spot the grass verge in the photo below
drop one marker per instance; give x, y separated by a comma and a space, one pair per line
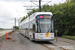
1, 30
69, 37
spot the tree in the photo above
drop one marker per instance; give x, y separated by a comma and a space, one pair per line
16, 27
72, 1
23, 18
64, 14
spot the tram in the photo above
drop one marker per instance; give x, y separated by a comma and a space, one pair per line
38, 27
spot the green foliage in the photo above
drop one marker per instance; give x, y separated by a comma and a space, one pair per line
72, 1
23, 18
65, 16
16, 27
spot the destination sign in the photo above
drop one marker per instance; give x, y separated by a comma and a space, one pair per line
43, 16
46, 16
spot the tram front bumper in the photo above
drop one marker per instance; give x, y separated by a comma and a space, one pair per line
44, 39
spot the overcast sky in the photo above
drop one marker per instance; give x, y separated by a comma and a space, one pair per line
10, 9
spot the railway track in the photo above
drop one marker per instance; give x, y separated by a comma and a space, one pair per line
47, 47
50, 48
53, 46
45, 44
66, 41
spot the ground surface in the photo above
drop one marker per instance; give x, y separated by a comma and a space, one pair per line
19, 42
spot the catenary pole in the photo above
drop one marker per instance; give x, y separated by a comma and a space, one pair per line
39, 5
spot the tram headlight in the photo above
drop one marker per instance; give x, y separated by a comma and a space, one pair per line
52, 34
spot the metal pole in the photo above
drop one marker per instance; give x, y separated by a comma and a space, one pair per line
56, 36
39, 5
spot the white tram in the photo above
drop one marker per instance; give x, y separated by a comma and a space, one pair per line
39, 26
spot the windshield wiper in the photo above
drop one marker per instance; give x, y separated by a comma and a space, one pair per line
48, 30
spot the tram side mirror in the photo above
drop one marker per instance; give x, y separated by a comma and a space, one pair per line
55, 22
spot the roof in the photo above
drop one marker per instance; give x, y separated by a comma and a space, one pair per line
32, 17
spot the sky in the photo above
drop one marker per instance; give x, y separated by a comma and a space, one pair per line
11, 9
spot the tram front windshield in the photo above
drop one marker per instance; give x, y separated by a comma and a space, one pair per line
44, 25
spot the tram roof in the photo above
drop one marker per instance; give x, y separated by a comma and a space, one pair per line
32, 17
37, 13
